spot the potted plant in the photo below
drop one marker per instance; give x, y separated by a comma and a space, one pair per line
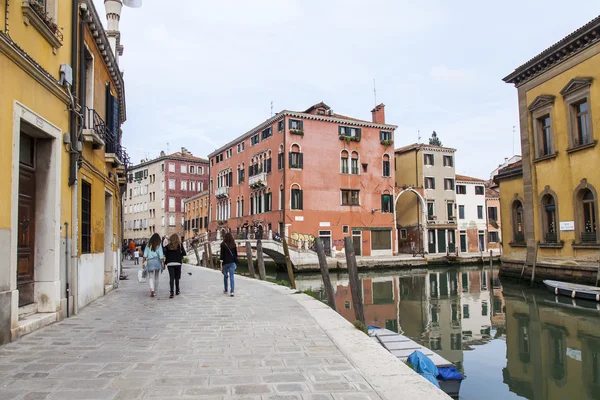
387, 142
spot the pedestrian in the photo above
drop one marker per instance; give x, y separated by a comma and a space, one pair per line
131, 249
260, 231
136, 257
154, 262
143, 246
165, 242
174, 253
229, 259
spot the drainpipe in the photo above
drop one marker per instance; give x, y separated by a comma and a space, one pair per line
395, 223
6, 17
67, 264
282, 234
418, 202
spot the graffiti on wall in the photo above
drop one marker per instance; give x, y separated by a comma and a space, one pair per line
302, 239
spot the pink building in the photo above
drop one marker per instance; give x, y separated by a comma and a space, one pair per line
309, 174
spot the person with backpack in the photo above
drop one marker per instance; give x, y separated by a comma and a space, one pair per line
174, 253
229, 259
153, 262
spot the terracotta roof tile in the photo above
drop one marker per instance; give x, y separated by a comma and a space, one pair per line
509, 167
491, 193
465, 178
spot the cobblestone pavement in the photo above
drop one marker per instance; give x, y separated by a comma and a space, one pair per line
201, 345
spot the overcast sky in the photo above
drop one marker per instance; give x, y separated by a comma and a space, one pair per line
200, 73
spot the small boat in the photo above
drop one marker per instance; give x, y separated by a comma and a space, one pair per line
449, 378
573, 290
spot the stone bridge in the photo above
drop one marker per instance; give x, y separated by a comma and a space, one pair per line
301, 258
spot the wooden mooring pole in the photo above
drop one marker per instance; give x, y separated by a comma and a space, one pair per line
288, 262
537, 245
205, 257
261, 261
250, 261
355, 287
211, 261
193, 244
325, 273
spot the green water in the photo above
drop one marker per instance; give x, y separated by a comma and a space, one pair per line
511, 341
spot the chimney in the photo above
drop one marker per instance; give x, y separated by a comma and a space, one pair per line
378, 114
113, 16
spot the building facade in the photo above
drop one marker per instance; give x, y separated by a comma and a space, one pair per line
472, 214
494, 221
196, 215
429, 172
156, 192
559, 105
309, 174
60, 216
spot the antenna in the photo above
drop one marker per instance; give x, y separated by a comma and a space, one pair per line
513, 139
418, 136
271, 108
168, 151
374, 93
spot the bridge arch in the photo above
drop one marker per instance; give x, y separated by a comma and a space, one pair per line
423, 214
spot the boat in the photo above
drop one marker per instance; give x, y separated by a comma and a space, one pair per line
402, 347
573, 290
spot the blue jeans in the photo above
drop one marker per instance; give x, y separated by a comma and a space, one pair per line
228, 271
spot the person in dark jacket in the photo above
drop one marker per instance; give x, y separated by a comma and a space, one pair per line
229, 259
174, 253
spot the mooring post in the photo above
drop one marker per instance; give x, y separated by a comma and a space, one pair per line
261, 261
355, 286
288, 262
250, 261
537, 245
325, 273
205, 257
193, 244
211, 260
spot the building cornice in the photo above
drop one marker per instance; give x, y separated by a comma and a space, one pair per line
172, 158
32, 68
196, 196
559, 52
294, 114
511, 173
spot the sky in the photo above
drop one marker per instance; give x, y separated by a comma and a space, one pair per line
199, 74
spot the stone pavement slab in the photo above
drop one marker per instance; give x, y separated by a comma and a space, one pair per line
260, 344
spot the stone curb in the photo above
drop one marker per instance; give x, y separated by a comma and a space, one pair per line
389, 377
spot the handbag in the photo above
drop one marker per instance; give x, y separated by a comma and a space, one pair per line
142, 276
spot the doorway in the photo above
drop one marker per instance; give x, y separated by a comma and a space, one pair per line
357, 241
109, 258
441, 235
463, 242
26, 220
431, 244
325, 236
481, 241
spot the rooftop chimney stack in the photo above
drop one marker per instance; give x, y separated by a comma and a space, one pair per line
113, 17
378, 114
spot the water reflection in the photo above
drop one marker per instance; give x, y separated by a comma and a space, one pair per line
511, 341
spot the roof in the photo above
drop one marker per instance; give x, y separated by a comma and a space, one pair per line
196, 196
421, 146
560, 51
512, 170
179, 156
492, 194
464, 178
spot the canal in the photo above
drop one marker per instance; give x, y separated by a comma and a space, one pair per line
511, 341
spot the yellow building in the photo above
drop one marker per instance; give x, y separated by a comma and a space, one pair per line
196, 216
40, 151
550, 203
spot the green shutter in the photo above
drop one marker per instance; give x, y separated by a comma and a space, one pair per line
300, 207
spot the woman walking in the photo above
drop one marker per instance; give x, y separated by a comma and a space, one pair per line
154, 262
229, 259
174, 253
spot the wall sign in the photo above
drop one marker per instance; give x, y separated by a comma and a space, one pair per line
567, 225
324, 223
299, 218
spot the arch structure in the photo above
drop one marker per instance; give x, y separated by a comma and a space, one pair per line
423, 216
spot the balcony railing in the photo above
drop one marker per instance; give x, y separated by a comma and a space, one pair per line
257, 181
551, 237
94, 128
222, 192
588, 237
114, 152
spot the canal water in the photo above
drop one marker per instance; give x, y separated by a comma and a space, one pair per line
511, 341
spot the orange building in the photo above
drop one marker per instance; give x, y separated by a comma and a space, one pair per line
196, 215
308, 174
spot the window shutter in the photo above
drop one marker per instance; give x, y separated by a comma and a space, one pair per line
382, 203
250, 170
268, 166
433, 183
432, 159
290, 159
301, 124
358, 132
230, 176
279, 160
301, 160
300, 207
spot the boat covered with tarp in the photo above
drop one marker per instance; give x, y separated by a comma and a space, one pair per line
573, 290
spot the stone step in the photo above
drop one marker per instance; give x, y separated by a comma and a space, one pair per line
27, 310
32, 323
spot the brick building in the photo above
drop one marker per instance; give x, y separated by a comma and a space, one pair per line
196, 215
308, 174
156, 191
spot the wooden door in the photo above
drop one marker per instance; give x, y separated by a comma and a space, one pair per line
441, 236
357, 240
26, 228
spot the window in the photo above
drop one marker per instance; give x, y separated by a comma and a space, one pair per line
545, 128
549, 219
182, 204
241, 177
192, 186
386, 203
493, 213
350, 132
281, 199
183, 169
254, 140
450, 209
381, 240
171, 203
429, 182
461, 189
350, 197
448, 162
171, 184
430, 209
461, 212
344, 162
448, 184
428, 159
364, 167
493, 237
268, 202
517, 222
345, 229
577, 95
192, 169
403, 234
240, 147
479, 190
385, 135
479, 212
296, 125
171, 167
386, 166
171, 220
183, 185
296, 160
586, 216
354, 163
466, 314
280, 126
266, 133
296, 197
583, 134
201, 169
280, 161
86, 217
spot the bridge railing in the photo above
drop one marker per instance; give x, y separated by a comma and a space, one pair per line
298, 245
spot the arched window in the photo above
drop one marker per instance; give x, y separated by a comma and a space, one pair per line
354, 163
296, 197
589, 215
386, 166
344, 162
517, 222
549, 220
586, 213
296, 157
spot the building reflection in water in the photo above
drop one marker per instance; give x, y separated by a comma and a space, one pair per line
552, 343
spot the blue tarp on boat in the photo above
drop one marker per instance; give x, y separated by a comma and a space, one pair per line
449, 374
424, 366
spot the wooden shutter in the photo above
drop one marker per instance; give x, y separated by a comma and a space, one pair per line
300, 205
290, 159
301, 160
268, 166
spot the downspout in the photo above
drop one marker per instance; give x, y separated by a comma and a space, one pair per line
6, 4
283, 203
67, 264
418, 202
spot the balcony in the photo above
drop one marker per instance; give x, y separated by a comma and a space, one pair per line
115, 154
258, 181
222, 192
94, 128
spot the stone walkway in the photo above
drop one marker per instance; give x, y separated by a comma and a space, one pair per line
200, 345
